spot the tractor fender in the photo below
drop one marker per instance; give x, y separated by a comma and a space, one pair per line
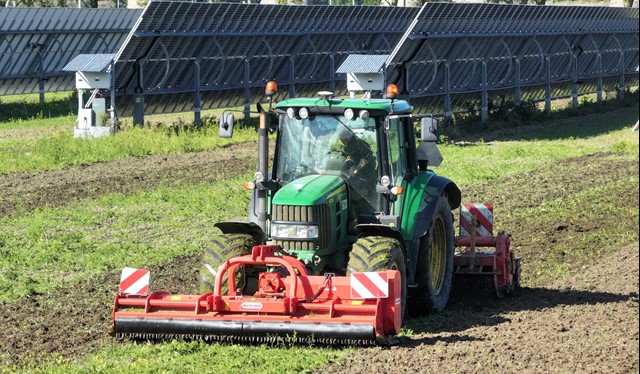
243, 228
375, 229
435, 187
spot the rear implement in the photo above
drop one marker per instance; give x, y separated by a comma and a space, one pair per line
497, 261
289, 305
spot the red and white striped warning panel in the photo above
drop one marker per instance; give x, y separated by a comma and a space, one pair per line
484, 219
369, 285
134, 281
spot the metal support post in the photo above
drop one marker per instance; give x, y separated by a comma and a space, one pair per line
599, 89
518, 94
621, 88
447, 92
197, 105
484, 105
138, 98
292, 78
40, 74
112, 98
574, 94
247, 93
547, 89
332, 73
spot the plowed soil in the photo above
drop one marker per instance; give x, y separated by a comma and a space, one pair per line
586, 323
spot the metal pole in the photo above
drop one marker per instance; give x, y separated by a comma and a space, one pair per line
247, 93
621, 88
292, 78
547, 89
485, 95
112, 99
599, 89
196, 100
447, 92
574, 95
41, 75
332, 73
518, 94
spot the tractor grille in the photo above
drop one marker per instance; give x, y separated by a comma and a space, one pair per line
318, 214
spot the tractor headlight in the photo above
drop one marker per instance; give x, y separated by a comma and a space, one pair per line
289, 231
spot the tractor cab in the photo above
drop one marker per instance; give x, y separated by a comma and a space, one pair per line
340, 167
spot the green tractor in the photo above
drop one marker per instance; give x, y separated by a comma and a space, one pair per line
348, 191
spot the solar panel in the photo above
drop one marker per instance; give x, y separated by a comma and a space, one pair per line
236, 48
453, 50
36, 43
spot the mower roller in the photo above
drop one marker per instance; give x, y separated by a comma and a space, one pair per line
289, 305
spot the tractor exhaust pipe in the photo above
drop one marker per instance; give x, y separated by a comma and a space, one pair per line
263, 159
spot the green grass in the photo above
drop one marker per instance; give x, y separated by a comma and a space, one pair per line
24, 109
61, 150
49, 247
594, 240
484, 161
193, 357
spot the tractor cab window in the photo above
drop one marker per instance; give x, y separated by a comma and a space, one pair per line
331, 145
397, 149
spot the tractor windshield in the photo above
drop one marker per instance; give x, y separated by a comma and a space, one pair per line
330, 144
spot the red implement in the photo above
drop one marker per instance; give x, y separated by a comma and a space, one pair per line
498, 261
288, 304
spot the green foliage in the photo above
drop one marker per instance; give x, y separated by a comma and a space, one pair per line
61, 150
192, 357
571, 208
480, 161
50, 246
22, 107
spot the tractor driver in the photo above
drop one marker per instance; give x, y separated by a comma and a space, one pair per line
359, 172
359, 159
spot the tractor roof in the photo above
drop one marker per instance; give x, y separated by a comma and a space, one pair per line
335, 105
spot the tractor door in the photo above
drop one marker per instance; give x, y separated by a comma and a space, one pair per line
401, 167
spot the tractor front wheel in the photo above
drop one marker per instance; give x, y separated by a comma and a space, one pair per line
222, 248
379, 253
434, 271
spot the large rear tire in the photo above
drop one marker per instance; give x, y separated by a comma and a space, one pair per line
434, 272
222, 248
379, 253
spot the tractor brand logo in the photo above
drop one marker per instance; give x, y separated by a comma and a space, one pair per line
344, 204
251, 306
398, 301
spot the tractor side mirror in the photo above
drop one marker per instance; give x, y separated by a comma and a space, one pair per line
226, 125
272, 122
429, 129
428, 153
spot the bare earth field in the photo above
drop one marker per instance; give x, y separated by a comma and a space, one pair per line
587, 322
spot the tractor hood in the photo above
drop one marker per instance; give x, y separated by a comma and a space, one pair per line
309, 190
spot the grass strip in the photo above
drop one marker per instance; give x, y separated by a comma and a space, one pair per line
192, 357
49, 247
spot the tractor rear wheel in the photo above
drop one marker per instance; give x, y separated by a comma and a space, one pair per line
434, 271
222, 248
379, 253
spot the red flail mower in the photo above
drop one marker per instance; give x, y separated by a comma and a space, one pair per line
360, 309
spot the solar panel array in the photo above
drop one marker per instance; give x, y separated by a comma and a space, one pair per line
235, 49
451, 57
36, 43
454, 53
